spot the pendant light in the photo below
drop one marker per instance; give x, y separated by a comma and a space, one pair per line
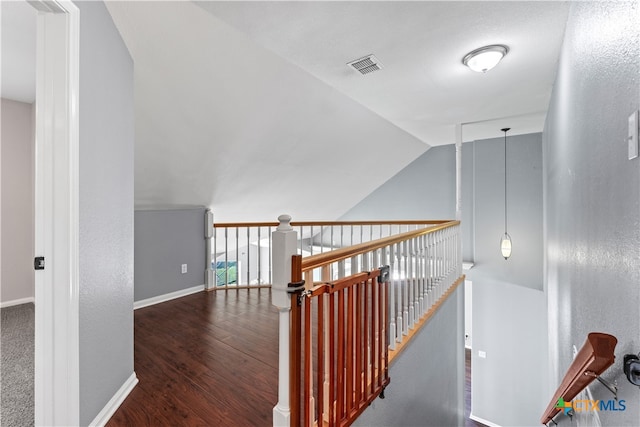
505, 241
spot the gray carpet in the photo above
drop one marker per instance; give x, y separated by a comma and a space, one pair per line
16, 366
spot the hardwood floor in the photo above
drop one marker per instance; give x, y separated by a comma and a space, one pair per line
205, 359
467, 392
208, 359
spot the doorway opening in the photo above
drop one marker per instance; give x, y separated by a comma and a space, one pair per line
17, 297
54, 177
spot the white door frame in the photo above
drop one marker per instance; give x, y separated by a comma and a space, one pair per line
57, 364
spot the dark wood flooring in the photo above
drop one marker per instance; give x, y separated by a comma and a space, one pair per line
208, 359
467, 391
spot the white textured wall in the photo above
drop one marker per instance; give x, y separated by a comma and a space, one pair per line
593, 194
18, 148
106, 210
231, 125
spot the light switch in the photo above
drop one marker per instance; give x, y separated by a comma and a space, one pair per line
633, 135
482, 354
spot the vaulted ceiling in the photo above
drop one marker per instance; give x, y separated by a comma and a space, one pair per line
423, 88
250, 108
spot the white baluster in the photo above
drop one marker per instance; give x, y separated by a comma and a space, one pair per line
355, 265
259, 257
441, 256
248, 256
416, 280
432, 268
410, 280
392, 299
421, 274
405, 290
341, 269
399, 323
226, 257
238, 273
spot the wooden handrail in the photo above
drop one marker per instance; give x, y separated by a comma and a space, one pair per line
326, 258
328, 223
595, 356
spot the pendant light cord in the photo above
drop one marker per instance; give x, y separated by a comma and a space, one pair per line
505, 130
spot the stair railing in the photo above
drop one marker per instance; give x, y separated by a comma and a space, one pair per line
241, 251
348, 308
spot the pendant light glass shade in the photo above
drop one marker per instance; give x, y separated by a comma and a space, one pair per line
505, 246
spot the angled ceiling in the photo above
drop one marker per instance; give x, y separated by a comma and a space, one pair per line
423, 88
249, 107
223, 122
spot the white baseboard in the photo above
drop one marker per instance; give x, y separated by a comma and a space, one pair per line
167, 297
483, 421
110, 408
17, 302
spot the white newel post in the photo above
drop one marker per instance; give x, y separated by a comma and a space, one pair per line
284, 240
209, 256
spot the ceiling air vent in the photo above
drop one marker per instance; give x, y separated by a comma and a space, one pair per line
366, 65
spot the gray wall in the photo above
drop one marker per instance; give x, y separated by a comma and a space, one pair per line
524, 208
164, 240
509, 313
106, 210
509, 386
468, 202
427, 378
425, 189
592, 195
18, 204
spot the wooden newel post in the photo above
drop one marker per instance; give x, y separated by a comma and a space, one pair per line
295, 340
284, 240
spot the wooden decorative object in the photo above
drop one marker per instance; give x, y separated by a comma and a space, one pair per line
595, 356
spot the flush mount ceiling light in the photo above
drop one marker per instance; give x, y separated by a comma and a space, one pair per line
485, 58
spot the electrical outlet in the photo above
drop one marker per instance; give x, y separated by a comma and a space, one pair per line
633, 135
184, 268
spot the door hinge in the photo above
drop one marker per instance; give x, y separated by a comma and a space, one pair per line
38, 263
